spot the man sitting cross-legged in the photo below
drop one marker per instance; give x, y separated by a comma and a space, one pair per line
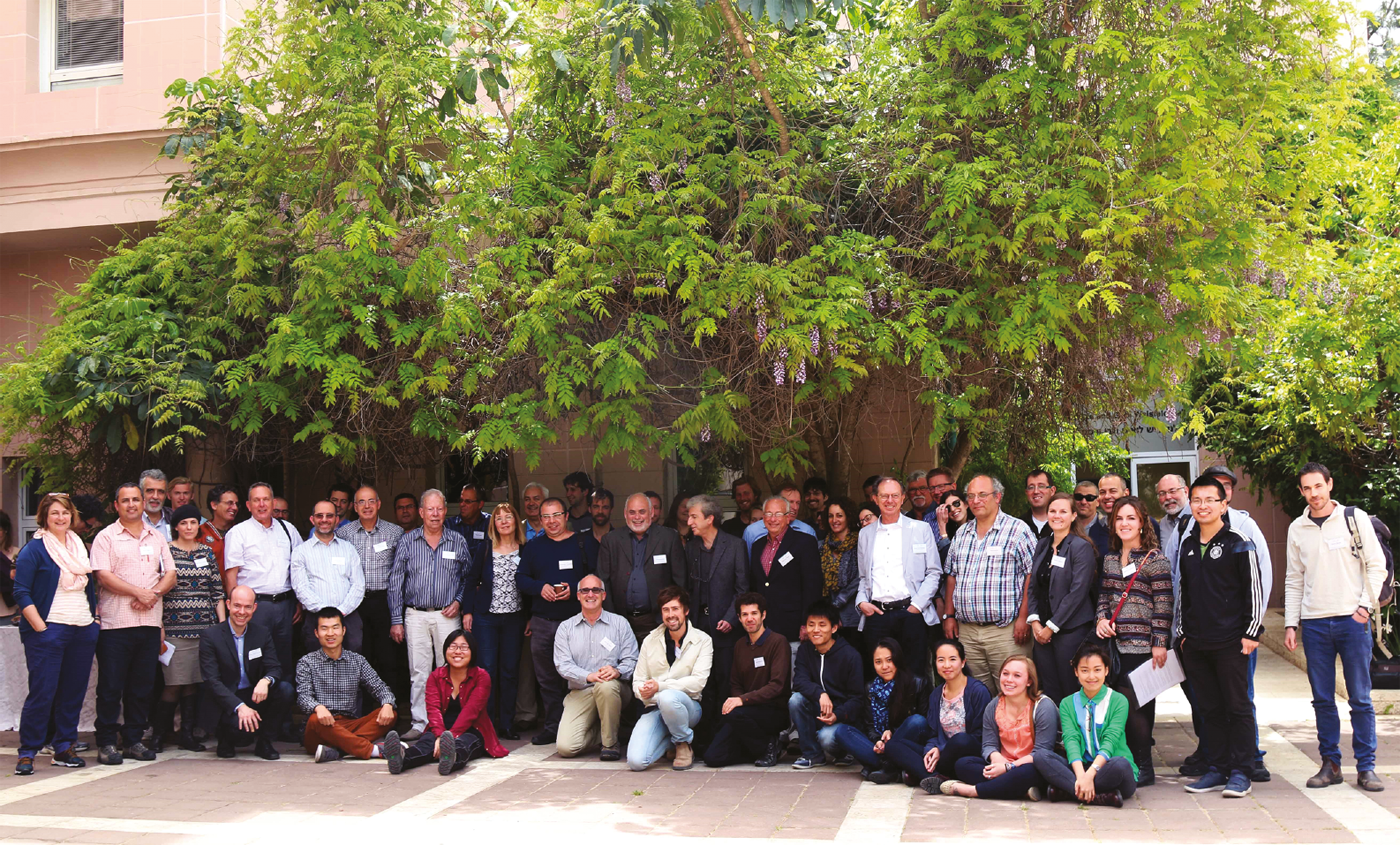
755, 710
328, 687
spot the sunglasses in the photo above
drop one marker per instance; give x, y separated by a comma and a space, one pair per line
1085, 497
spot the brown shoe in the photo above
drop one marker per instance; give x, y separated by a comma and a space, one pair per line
1110, 798
1328, 775
1370, 781
685, 758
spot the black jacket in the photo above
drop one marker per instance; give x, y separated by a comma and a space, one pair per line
717, 587
1073, 587
615, 565
218, 664
836, 673
790, 587
1222, 596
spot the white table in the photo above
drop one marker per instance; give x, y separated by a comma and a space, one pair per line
14, 683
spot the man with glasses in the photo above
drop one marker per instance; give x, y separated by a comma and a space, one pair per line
1222, 618
340, 495
280, 508
550, 568
375, 541
759, 527
899, 573
470, 522
921, 501
425, 597
406, 511
940, 481
223, 511
1039, 489
988, 583
637, 563
326, 572
785, 568
595, 652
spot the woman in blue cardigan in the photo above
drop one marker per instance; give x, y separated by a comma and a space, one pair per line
951, 735
57, 597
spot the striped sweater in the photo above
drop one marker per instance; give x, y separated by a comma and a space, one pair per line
1146, 619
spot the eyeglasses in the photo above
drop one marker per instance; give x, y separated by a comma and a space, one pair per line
767, 514
459, 647
977, 497
1205, 501
359, 502
588, 591
559, 515
1036, 488
1172, 490
890, 497
1085, 497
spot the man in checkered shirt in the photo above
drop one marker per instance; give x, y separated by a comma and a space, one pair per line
329, 681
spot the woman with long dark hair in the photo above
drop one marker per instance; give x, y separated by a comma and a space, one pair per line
954, 722
840, 566
892, 710
949, 516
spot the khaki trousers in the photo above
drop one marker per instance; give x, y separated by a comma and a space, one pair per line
592, 716
987, 646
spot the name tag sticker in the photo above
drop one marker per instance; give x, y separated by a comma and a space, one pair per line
202, 561
658, 559
1129, 570
448, 554
478, 535
147, 550
337, 561
994, 550
920, 548
566, 564
1058, 561
608, 644
785, 559
1335, 543
255, 654
381, 547
758, 663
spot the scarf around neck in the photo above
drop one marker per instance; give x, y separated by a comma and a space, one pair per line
71, 557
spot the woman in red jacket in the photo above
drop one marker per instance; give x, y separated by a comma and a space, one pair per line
456, 695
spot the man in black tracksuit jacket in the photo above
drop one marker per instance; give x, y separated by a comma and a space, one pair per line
1222, 618
826, 667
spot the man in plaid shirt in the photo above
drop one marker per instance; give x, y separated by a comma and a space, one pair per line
328, 688
988, 577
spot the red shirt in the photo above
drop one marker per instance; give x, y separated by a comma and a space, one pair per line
210, 536
473, 694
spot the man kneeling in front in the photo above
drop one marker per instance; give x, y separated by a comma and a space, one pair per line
329, 681
595, 652
243, 680
671, 674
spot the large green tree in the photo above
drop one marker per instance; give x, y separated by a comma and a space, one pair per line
413, 226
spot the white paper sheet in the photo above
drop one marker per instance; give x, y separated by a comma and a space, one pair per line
166, 654
1149, 681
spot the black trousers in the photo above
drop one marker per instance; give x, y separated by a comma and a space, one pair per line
388, 658
276, 616
744, 734
910, 756
127, 665
420, 753
908, 629
717, 687
273, 710
1053, 661
1142, 718
1220, 677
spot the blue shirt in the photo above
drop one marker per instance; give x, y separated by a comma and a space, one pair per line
757, 529
426, 577
238, 647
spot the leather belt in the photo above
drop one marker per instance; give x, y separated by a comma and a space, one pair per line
892, 605
425, 609
636, 613
276, 597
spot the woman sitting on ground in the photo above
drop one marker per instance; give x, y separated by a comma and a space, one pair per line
893, 709
952, 735
1018, 727
456, 695
1093, 721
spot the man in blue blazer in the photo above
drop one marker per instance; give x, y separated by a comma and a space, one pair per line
899, 574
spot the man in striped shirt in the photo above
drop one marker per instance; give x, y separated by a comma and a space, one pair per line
425, 597
326, 572
375, 541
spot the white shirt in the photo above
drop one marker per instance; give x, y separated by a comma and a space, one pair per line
263, 555
887, 564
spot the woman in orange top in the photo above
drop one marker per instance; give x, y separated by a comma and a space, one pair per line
1016, 726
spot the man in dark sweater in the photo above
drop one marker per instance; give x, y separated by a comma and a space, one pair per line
752, 716
1222, 618
550, 568
827, 686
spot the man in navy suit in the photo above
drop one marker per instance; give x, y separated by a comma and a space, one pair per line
243, 678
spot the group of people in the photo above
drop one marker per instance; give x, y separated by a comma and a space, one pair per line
951, 646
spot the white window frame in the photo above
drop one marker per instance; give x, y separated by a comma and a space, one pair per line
49, 75
28, 522
1191, 456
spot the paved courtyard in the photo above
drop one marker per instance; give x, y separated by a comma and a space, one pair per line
534, 796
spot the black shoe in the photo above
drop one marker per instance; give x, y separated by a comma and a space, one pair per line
447, 753
1329, 775
1146, 777
137, 751
68, 760
610, 753
1260, 774
393, 752
545, 737
1194, 768
1057, 795
771, 756
526, 725
226, 749
265, 750
509, 733
108, 755
933, 784
1370, 781
884, 776
25, 766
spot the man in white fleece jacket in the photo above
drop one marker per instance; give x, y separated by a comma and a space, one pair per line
672, 669
1335, 572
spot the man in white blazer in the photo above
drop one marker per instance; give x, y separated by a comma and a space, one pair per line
899, 573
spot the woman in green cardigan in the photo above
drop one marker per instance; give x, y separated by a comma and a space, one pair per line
1100, 769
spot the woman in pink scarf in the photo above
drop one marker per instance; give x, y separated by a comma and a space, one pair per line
57, 598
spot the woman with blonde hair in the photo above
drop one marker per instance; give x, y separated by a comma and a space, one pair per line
494, 611
57, 597
1017, 725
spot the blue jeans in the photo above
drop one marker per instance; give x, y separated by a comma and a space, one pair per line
500, 637
817, 741
1323, 640
852, 740
60, 663
669, 722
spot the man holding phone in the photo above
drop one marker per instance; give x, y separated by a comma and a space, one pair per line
550, 567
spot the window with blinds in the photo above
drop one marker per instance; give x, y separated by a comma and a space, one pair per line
87, 33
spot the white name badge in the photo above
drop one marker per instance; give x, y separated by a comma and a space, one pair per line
448, 554
608, 644
566, 564
1058, 561
1335, 543
658, 559
202, 561
478, 535
381, 547
1129, 570
337, 561
785, 559
920, 548
994, 550
758, 663
255, 654
147, 550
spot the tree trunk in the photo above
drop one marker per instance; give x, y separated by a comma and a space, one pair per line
962, 451
736, 32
